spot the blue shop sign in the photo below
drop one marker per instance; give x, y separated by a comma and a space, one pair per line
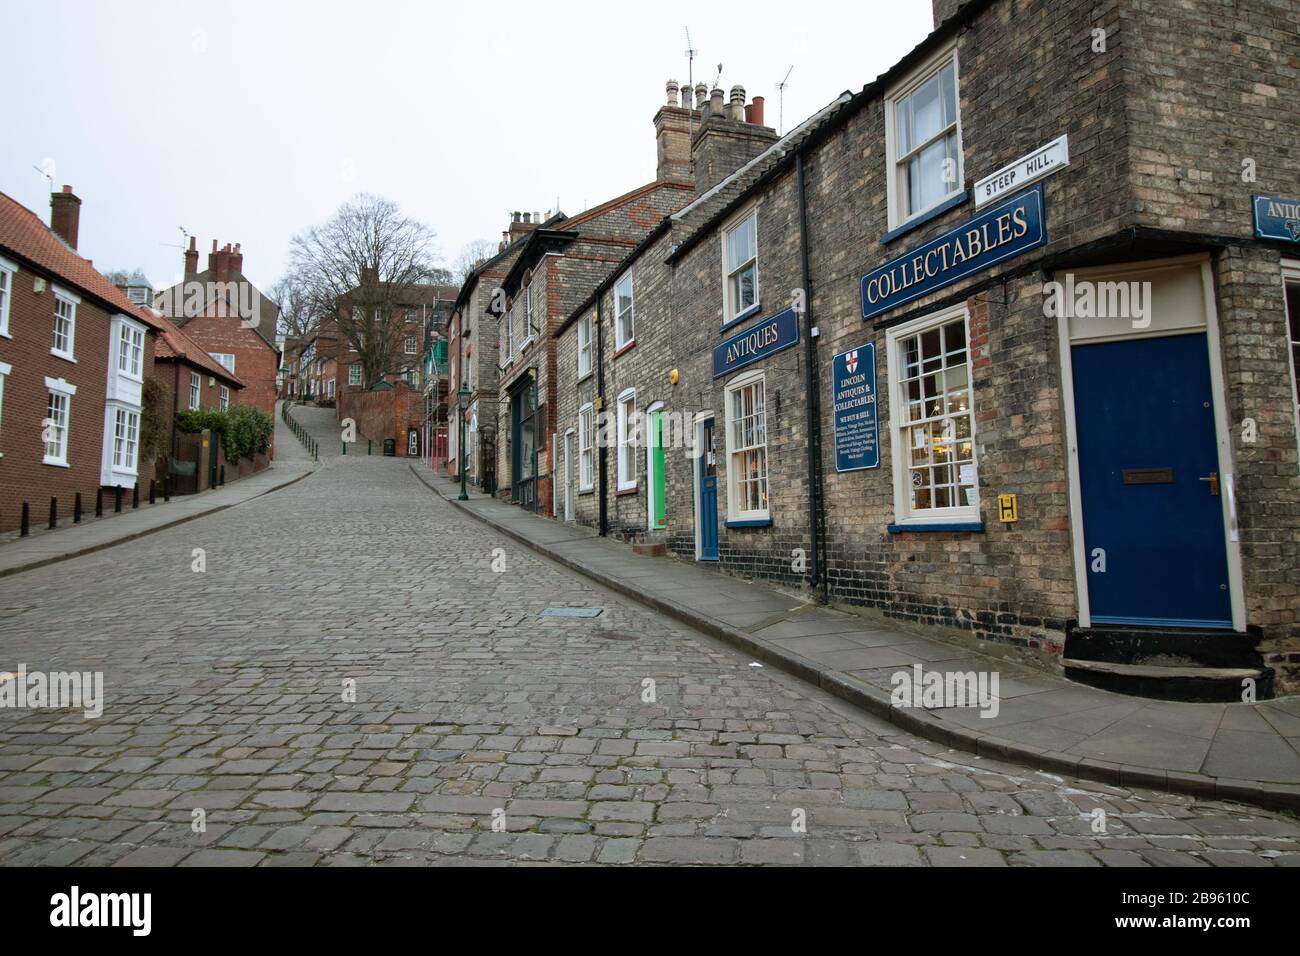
1008, 229
1277, 217
757, 342
857, 435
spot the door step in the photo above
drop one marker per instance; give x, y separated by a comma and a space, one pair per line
1167, 664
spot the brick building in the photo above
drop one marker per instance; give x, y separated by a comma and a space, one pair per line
223, 311
74, 355
557, 266
998, 343
392, 406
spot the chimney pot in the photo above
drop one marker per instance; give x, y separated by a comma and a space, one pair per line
715, 101
528, 217
688, 96
756, 111
192, 257
737, 111
701, 96
65, 215
672, 92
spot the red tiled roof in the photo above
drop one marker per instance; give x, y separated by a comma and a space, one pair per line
24, 234
174, 345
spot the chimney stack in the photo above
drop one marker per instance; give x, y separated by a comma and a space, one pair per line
236, 260
192, 257
65, 215
673, 123
729, 135
520, 224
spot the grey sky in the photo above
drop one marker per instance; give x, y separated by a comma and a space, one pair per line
246, 122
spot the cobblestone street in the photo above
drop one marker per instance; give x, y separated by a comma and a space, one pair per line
225, 692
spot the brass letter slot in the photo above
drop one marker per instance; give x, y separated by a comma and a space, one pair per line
1148, 476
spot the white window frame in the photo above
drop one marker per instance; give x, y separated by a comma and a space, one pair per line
126, 439
1291, 275
221, 358
409, 344
61, 388
585, 326
225, 397
354, 374
586, 447
64, 297
8, 274
896, 170
735, 511
5, 370
898, 421
130, 349
627, 443
730, 314
196, 390
510, 333
622, 340
530, 313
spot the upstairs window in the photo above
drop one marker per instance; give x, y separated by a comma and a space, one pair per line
226, 359
194, 389
924, 142
130, 350
65, 325
410, 345
740, 262
624, 319
354, 374
530, 315
584, 347
7, 271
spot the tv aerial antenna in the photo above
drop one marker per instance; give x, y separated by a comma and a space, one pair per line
185, 240
780, 87
46, 169
691, 53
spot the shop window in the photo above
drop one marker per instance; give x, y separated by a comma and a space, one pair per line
931, 421
627, 440
624, 319
746, 410
586, 447
740, 263
923, 134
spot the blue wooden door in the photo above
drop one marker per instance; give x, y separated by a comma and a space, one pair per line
1148, 470
708, 516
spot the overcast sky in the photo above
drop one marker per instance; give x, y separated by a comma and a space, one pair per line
248, 121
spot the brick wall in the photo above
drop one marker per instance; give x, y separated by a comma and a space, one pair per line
256, 362
24, 404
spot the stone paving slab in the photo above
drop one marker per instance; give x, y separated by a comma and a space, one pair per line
1246, 751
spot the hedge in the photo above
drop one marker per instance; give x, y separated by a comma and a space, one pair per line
245, 431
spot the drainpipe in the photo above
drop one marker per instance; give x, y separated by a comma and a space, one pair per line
600, 393
811, 391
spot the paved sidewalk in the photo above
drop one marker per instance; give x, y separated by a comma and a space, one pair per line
71, 540
1233, 751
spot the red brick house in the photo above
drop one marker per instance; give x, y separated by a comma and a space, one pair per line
74, 356
222, 311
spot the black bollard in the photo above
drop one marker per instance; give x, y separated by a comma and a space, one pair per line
99, 502
54, 513
117, 500
23, 529
153, 492
167, 488
76, 508
135, 495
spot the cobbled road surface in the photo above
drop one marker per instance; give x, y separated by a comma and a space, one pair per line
481, 732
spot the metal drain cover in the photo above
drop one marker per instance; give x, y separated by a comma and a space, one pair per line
605, 634
572, 611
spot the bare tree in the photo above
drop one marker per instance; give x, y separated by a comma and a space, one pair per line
470, 256
362, 269
298, 315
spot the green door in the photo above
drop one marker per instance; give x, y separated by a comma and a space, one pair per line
657, 490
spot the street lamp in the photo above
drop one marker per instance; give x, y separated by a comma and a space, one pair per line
462, 402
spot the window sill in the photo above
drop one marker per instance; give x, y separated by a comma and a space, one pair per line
55, 462
750, 523
624, 349
582, 377
587, 491
975, 527
922, 218
626, 491
4, 333
749, 313
66, 356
